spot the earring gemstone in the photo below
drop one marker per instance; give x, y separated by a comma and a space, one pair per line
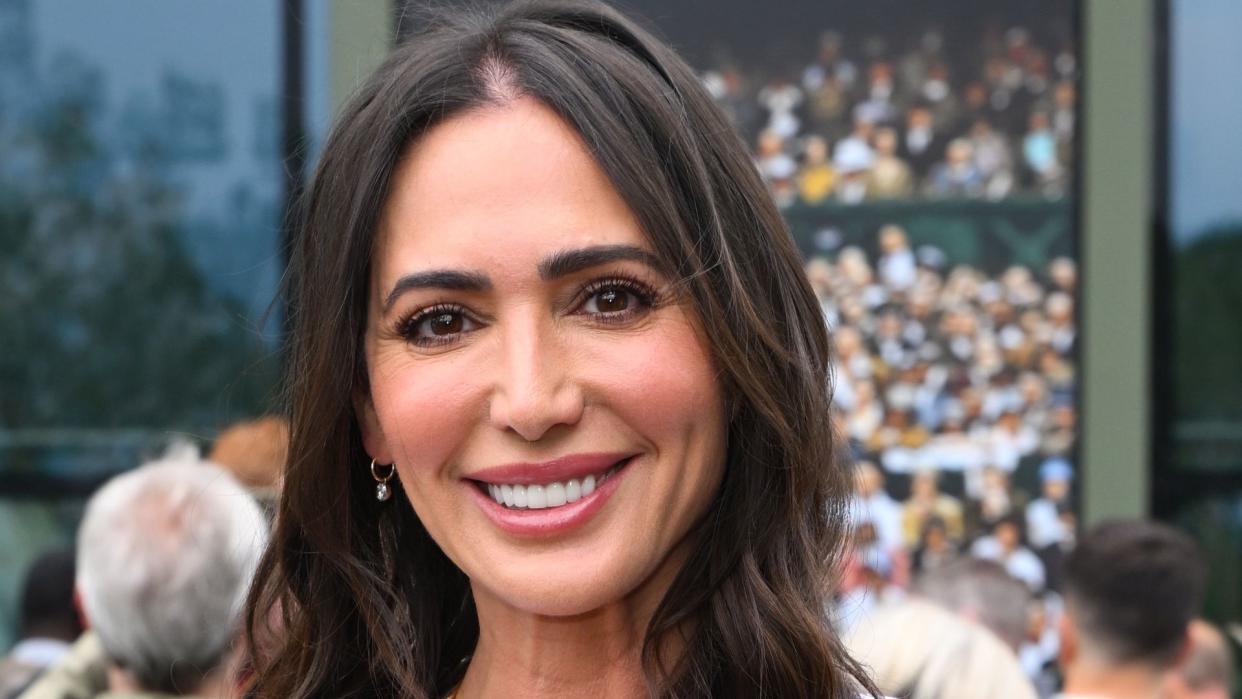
382, 493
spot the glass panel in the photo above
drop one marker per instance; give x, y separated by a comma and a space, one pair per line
1205, 238
140, 214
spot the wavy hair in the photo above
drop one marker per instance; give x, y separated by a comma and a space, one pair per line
367, 601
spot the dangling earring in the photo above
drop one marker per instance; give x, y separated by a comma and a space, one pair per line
382, 491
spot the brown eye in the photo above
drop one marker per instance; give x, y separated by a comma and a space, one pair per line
437, 326
616, 301
445, 324
612, 300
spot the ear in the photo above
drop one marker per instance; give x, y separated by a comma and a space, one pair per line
1069, 640
373, 439
83, 619
1184, 648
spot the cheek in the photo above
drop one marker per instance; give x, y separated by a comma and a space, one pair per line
668, 391
424, 411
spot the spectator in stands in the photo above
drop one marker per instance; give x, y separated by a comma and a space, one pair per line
781, 97
897, 263
1039, 153
889, 176
926, 501
165, 557
871, 503
1004, 545
1063, 273
1059, 309
935, 549
1207, 670
777, 166
1044, 527
816, 179
869, 582
852, 158
1064, 114
1132, 589
921, 144
48, 622
992, 159
957, 175
993, 499
877, 105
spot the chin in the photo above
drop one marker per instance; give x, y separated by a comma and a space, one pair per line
560, 585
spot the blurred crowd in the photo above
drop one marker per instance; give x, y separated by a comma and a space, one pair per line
892, 119
955, 391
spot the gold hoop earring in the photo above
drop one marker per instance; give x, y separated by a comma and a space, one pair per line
382, 491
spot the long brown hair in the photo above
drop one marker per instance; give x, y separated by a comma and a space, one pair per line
368, 604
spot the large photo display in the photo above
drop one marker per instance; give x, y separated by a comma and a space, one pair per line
924, 157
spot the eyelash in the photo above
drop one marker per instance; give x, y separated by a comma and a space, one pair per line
645, 296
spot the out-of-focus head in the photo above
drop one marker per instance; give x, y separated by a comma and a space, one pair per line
982, 591
918, 117
47, 609
995, 479
935, 535
919, 650
959, 151
886, 141
1008, 531
847, 341
893, 239
815, 148
1055, 475
868, 479
924, 485
1064, 273
1131, 590
770, 143
254, 452
166, 554
1206, 670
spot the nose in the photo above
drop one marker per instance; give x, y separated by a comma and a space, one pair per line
535, 389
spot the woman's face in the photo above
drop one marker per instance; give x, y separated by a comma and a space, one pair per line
523, 345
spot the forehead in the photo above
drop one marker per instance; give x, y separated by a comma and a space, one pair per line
499, 187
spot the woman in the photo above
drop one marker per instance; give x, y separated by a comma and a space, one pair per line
559, 418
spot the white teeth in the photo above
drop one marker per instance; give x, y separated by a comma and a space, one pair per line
536, 497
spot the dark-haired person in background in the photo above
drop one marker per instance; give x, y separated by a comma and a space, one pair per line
1207, 671
49, 622
1131, 590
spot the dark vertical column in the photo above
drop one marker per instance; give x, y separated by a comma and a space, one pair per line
293, 136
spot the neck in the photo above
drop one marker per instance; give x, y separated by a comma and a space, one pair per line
213, 685
1130, 681
596, 654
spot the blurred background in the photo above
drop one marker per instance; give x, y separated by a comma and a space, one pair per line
1023, 223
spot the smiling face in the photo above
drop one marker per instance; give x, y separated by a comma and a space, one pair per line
524, 345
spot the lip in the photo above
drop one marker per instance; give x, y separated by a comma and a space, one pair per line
549, 521
562, 469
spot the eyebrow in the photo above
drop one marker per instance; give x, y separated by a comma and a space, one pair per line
567, 262
555, 266
438, 279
